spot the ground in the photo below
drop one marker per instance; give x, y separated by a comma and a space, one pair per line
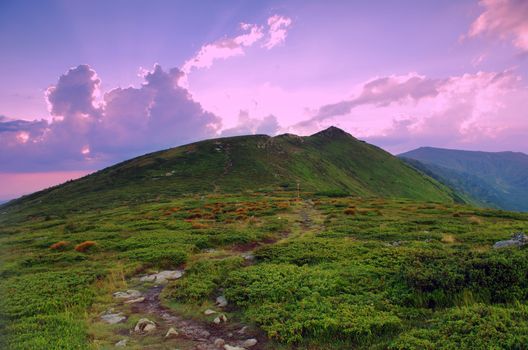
313, 272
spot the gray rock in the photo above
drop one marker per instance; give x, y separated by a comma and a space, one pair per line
163, 276
518, 240
172, 333
221, 301
144, 325
220, 319
137, 300
209, 312
219, 342
229, 347
122, 343
113, 318
249, 343
129, 294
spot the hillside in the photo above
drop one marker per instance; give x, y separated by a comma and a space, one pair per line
492, 179
329, 161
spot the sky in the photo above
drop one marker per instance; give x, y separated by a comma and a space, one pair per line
87, 84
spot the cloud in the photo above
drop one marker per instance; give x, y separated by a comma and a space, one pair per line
224, 48
507, 19
87, 135
278, 29
247, 125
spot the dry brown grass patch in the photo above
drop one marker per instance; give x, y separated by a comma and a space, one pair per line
84, 246
60, 245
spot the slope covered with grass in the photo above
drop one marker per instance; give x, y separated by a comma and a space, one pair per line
329, 161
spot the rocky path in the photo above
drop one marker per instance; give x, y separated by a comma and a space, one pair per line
160, 327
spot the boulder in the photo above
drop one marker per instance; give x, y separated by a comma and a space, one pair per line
129, 294
229, 347
163, 276
137, 300
249, 343
219, 342
221, 301
518, 240
172, 333
144, 325
113, 318
122, 343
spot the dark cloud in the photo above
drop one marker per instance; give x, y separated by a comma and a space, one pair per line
85, 134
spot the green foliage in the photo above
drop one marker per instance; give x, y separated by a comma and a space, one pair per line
164, 257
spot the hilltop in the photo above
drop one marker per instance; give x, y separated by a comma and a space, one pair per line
493, 179
330, 161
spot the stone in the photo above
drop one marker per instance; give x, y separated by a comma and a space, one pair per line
229, 347
219, 342
129, 294
209, 312
242, 330
122, 343
221, 301
144, 325
518, 239
163, 276
249, 343
137, 300
113, 318
172, 333
220, 319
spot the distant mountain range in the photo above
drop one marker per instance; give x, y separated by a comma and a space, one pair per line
497, 180
328, 161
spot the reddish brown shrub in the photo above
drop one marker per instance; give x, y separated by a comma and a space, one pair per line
84, 246
60, 245
350, 211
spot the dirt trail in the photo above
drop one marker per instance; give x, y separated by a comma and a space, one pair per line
195, 334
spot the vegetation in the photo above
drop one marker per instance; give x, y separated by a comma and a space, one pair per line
332, 266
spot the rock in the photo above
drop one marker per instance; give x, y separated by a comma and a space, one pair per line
518, 240
137, 300
172, 333
219, 342
220, 319
163, 276
249, 343
248, 256
209, 312
129, 294
121, 343
229, 347
242, 330
221, 301
113, 318
145, 325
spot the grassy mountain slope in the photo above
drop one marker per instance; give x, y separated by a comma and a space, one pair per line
492, 179
330, 160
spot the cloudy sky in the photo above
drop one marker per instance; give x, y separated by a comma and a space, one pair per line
89, 83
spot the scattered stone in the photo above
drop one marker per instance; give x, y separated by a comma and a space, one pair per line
249, 343
145, 325
242, 330
221, 301
518, 240
113, 318
121, 343
220, 319
129, 294
209, 312
171, 333
248, 256
229, 347
137, 300
163, 276
219, 342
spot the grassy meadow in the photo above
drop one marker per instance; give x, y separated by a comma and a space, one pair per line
329, 271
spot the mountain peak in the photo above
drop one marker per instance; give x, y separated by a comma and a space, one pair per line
332, 132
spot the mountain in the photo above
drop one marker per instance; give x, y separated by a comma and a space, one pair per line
491, 179
330, 160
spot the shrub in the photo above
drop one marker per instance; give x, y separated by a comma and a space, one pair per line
85, 246
350, 211
163, 257
60, 245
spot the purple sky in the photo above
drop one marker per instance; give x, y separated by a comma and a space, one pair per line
89, 83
